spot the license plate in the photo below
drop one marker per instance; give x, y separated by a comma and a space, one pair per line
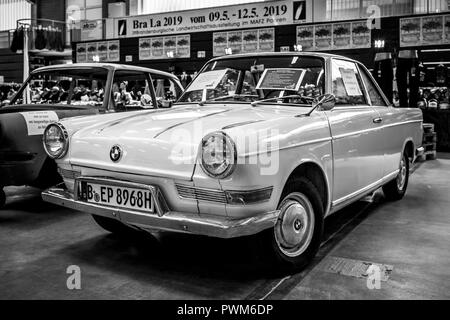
120, 197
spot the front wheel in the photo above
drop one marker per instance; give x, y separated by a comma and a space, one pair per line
295, 239
396, 189
2, 198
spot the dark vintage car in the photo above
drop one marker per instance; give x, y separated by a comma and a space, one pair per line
62, 91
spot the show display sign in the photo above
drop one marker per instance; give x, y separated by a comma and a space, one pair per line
423, 31
281, 79
98, 51
91, 30
335, 36
245, 41
165, 47
252, 15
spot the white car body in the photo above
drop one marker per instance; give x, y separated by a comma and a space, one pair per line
348, 152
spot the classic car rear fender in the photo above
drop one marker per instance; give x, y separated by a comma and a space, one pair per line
409, 148
21, 152
21, 155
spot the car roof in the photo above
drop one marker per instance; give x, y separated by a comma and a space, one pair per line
109, 66
277, 54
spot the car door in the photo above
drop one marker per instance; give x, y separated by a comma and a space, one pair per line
393, 136
355, 134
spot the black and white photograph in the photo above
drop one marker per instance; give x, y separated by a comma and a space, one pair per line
232, 157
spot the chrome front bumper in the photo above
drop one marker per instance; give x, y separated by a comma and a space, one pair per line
163, 219
420, 151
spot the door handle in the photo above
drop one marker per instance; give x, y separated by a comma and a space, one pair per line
378, 120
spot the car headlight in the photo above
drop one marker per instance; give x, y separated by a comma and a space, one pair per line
218, 155
56, 141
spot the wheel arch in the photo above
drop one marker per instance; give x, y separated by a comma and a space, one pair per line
409, 148
316, 174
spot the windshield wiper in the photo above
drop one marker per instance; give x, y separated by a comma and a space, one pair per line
254, 103
202, 103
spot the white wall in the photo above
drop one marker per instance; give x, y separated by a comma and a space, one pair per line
11, 11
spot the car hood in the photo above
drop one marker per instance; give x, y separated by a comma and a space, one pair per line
165, 142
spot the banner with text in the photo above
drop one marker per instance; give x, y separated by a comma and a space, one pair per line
264, 14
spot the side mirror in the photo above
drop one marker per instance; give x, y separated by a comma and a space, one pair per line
326, 102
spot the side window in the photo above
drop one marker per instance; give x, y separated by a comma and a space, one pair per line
131, 89
165, 88
372, 90
347, 84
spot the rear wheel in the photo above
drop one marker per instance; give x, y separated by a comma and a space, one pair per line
296, 237
2, 198
112, 225
396, 189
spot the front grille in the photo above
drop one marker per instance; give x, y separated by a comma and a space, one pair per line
201, 194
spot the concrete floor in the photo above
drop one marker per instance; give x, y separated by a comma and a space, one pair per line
39, 241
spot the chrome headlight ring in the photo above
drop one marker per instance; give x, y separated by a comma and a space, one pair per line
218, 155
63, 139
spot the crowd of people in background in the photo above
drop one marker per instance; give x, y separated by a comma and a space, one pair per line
8, 91
58, 94
434, 98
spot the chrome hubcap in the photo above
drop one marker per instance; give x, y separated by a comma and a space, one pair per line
295, 226
401, 178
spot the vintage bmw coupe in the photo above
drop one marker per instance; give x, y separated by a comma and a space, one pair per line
62, 91
265, 144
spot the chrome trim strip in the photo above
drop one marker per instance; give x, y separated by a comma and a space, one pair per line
301, 144
222, 196
208, 225
400, 123
355, 133
365, 190
374, 129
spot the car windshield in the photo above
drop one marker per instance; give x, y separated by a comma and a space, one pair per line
82, 86
248, 79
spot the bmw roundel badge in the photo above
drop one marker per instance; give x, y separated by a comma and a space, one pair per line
116, 153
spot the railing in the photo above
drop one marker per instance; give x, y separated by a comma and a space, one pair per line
44, 34
6, 38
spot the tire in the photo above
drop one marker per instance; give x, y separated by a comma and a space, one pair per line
396, 189
2, 198
284, 246
111, 225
